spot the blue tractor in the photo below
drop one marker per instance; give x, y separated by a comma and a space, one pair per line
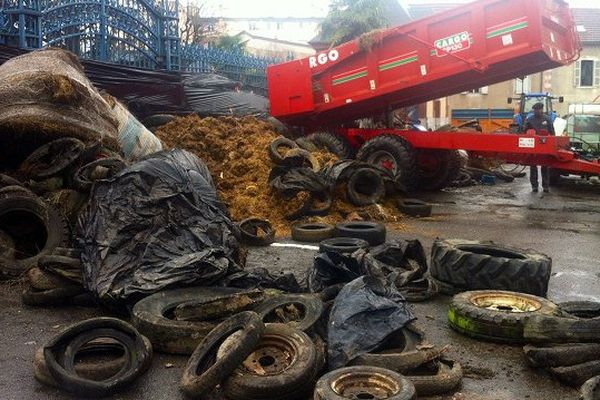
526, 102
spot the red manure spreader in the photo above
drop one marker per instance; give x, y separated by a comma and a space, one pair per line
474, 45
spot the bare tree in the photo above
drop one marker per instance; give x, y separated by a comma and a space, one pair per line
196, 26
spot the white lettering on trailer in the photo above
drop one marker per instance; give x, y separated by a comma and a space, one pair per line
527, 143
423, 70
372, 84
323, 58
507, 40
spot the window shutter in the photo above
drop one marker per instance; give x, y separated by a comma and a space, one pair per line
577, 74
596, 73
484, 90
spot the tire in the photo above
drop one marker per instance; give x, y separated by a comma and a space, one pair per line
441, 377
591, 389
91, 370
83, 179
394, 154
342, 245
149, 316
364, 383
306, 144
334, 143
317, 205
469, 314
414, 208
373, 232
204, 371
7, 246
281, 141
15, 190
158, 120
42, 280
474, 265
250, 228
562, 329
60, 353
282, 367
68, 268
218, 308
309, 306
47, 230
562, 355
365, 187
581, 309
577, 375
52, 158
312, 232
439, 173
52, 297
6, 180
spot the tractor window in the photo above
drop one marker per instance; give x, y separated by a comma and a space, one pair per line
531, 101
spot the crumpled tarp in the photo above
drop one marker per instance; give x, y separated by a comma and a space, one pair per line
331, 268
158, 224
365, 312
261, 278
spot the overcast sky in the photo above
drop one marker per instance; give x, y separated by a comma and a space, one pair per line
307, 8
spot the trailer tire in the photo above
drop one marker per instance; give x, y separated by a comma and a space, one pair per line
333, 143
475, 265
445, 171
496, 315
393, 153
365, 187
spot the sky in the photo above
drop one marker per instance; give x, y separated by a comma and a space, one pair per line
308, 8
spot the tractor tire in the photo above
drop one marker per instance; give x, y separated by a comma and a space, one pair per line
442, 174
333, 143
395, 154
473, 265
496, 315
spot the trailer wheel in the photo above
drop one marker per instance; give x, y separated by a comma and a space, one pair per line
437, 168
333, 143
394, 154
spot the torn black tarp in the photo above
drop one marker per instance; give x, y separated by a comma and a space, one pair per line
333, 268
365, 312
261, 278
158, 224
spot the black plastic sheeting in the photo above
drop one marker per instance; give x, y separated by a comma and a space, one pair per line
158, 224
365, 312
148, 92
261, 278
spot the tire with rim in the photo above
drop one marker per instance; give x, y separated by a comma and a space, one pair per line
365, 187
394, 154
476, 265
414, 207
300, 311
373, 232
312, 232
496, 315
437, 168
332, 142
204, 370
36, 229
364, 383
152, 317
282, 367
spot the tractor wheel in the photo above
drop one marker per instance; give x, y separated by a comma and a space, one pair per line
437, 168
394, 154
333, 143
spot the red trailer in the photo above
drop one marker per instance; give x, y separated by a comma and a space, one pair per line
475, 45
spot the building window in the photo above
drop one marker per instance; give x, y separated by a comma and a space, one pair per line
587, 73
523, 85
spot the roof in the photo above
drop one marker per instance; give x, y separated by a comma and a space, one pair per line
589, 20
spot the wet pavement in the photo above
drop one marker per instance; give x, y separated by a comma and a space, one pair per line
564, 224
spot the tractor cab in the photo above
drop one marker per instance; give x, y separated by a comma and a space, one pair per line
526, 102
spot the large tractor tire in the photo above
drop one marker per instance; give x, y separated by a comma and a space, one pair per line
333, 143
394, 154
437, 168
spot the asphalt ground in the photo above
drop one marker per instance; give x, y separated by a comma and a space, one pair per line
564, 224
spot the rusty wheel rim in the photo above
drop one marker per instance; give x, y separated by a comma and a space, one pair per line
365, 386
506, 302
273, 356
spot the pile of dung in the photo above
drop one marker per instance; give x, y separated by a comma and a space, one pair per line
236, 151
